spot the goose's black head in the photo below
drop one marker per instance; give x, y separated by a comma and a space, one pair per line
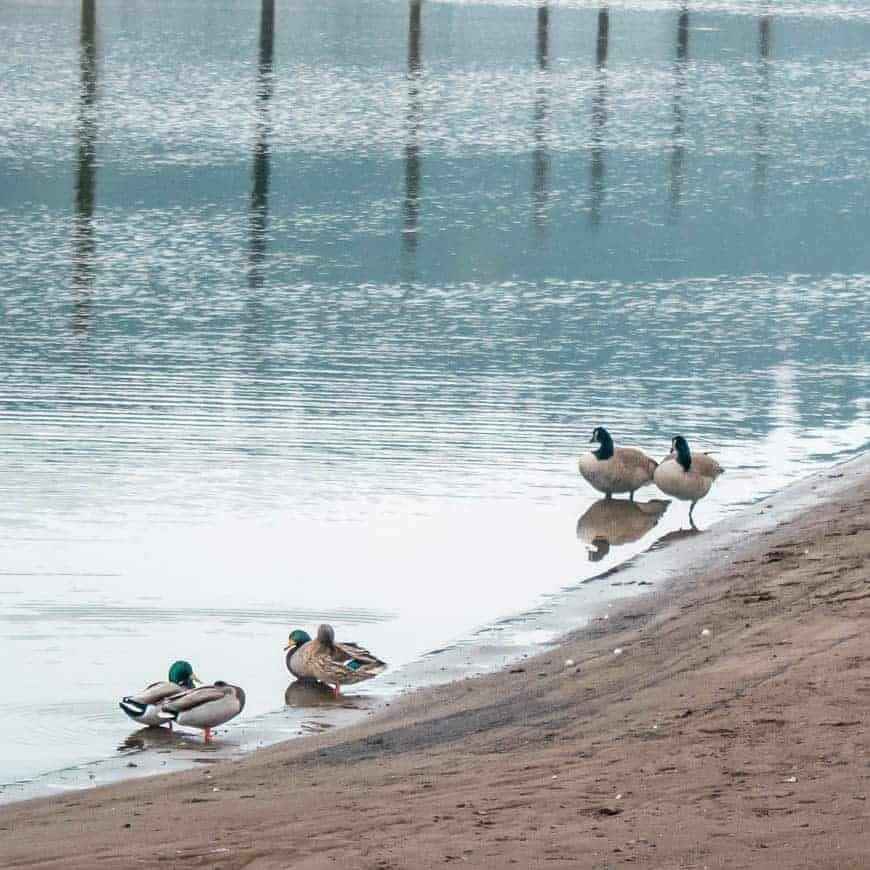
602, 436
601, 549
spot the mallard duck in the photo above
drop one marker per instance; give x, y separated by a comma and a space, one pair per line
615, 469
205, 707
336, 664
685, 475
144, 706
617, 521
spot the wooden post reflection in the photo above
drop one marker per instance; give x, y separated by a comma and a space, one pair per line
762, 104
678, 145
601, 41
259, 208
411, 204
84, 244
597, 187
540, 156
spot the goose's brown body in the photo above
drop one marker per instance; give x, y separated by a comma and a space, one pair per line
689, 484
627, 470
685, 475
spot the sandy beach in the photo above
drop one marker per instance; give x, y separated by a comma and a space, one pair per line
720, 722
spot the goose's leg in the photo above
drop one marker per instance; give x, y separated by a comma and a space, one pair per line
608, 495
691, 518
631, 496
207, 734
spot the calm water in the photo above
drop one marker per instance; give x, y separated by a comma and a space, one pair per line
307, 309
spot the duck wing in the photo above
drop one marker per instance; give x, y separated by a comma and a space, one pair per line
193, 698
155, 692
339, 664
358, 658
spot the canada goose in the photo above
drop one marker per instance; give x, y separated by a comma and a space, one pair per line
615, 469
685, 475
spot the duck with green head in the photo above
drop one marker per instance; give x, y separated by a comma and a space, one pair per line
329, 662
685, 475
144, 706
612, 469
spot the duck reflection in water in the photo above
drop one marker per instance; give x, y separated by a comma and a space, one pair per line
612, 522
156, 738
311, 693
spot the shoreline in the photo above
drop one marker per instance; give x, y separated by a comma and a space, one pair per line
554, 615
452, 749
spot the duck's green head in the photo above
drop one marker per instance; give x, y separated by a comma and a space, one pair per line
681, 447
181, 673
602, 436
297, 638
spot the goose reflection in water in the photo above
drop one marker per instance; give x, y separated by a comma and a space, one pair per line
676, 535
612, 522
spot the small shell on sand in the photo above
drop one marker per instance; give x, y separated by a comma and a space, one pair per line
705, 632
618, 651
569, 663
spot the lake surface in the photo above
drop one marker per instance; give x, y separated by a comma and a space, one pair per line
307, 310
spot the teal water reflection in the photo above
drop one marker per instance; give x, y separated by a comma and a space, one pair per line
309, 308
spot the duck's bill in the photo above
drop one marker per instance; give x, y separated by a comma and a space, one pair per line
289, 646
195, 680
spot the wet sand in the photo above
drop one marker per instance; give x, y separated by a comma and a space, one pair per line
731, 730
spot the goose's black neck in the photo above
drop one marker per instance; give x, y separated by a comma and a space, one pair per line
684, 456
605, 451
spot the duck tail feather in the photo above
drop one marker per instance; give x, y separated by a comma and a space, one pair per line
132, 708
